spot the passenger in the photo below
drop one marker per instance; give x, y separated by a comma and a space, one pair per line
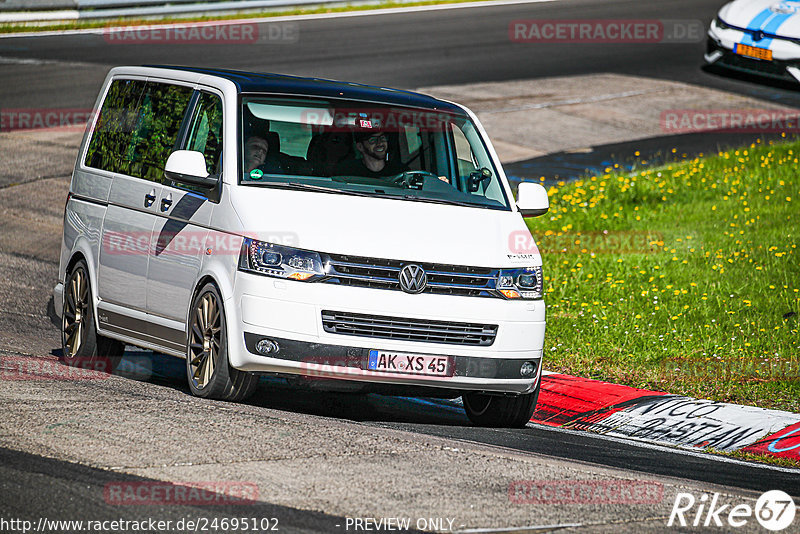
327, 150
375, 162
255, 153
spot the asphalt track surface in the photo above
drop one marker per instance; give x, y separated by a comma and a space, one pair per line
406, 50
410, 50
401, 50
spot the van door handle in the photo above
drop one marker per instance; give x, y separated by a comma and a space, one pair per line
166, 203
150, 198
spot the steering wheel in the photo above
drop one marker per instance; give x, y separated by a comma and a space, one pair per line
412, 179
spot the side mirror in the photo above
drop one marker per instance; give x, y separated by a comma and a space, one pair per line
532, 199
189, 167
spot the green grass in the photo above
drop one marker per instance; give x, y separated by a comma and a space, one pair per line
691, 289
131, 21
760, 458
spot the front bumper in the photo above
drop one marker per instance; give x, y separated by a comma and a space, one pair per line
322, 361
290, 313
785, 64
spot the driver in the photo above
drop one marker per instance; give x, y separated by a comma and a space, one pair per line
373, 145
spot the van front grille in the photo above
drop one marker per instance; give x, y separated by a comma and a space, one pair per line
401, 328
384, 274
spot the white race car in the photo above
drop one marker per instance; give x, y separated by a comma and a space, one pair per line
758, 37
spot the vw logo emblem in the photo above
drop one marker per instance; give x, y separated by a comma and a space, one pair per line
758, 35
413, 279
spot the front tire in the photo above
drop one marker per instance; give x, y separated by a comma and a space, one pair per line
81, 345
501, 411
207, 369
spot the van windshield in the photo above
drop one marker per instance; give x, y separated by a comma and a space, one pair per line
369, 149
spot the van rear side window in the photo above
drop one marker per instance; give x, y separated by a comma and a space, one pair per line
137, 128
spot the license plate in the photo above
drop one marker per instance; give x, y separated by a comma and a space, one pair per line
406, 363
752, 51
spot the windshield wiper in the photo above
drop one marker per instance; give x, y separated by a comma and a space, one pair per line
323, 189
319, 188
441, 201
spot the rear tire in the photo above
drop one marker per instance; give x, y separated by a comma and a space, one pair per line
81, 345
207, 368
500, 411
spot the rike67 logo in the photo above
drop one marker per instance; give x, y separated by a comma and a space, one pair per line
774, 510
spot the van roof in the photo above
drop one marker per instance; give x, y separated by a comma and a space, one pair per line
253, 82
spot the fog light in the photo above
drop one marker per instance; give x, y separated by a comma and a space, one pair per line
528, 369
267, 346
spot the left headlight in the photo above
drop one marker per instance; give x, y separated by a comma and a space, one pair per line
280, 261
721, 24
524, 283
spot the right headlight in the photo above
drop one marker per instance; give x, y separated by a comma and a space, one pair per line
280, 261
525, 283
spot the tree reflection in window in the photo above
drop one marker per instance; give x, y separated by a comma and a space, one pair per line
137, 128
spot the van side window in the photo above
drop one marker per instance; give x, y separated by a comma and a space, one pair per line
161, 111
205, 132
108, 148
137, 128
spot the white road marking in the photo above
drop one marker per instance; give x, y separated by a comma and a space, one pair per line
571, 101
6, 60
516, 529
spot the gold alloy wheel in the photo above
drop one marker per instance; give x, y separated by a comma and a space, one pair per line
205, 340
76, 311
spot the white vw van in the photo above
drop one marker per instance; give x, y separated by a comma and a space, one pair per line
257, 223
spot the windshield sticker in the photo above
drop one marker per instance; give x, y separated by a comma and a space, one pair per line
256, 174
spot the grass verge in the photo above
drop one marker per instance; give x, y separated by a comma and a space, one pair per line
683, 278
245, 15
760, 458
